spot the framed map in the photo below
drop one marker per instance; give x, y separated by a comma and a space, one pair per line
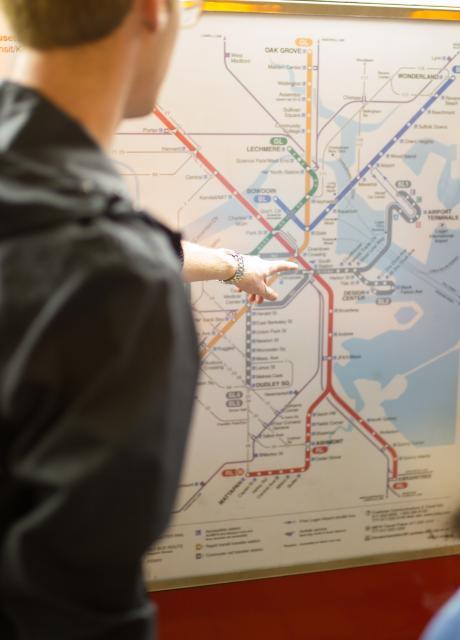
326, 428
397, 9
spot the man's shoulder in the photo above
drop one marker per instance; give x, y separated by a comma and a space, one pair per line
97, 279
102, 268
130, 243
92, 246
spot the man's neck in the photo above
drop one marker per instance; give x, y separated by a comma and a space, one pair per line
87, 87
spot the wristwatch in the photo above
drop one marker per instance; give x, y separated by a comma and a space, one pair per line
240, 269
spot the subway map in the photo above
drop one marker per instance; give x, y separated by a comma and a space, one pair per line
327, 423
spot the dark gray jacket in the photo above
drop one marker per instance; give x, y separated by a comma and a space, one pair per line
98, 365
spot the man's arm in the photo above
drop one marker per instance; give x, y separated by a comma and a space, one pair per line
205, 263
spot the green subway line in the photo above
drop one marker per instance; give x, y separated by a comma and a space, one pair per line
298, 206
312, 175
269, 236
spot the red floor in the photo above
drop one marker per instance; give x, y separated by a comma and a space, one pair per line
387, 602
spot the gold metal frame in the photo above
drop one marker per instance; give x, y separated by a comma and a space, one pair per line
299, 569
339, 9
335, 9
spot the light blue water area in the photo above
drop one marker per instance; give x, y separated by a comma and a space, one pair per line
442, 260
293, 77
350, 130
397, 351
448, 187
405, 315
215, 221
427, 412
354, 228
221, 217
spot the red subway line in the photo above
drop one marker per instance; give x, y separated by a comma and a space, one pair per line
329, 390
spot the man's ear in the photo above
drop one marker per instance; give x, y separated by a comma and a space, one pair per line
155, 14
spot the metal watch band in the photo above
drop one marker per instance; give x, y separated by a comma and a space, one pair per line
240, 270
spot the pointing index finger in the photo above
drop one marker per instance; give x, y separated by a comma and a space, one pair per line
282, 265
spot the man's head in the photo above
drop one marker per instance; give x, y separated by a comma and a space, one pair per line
145, 29
47, 24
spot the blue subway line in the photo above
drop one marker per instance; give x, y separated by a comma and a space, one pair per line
370, 165
381, 153
290, 214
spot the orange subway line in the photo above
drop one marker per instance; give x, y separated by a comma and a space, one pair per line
218, 337
308, 138
230, 324
308, 158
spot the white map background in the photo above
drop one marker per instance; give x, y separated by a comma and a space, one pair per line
327, 423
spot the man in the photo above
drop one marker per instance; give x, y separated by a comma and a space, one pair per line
98, 356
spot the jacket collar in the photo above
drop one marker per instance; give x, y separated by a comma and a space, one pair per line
50, 167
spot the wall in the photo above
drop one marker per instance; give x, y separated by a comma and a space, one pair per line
386, 602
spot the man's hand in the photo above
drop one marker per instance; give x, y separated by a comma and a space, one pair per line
258, 276
205, 263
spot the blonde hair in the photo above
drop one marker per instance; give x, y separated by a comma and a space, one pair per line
47, 24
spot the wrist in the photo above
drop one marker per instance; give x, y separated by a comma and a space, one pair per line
238, 270
229, 264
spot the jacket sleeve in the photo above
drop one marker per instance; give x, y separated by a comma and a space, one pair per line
104, 380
